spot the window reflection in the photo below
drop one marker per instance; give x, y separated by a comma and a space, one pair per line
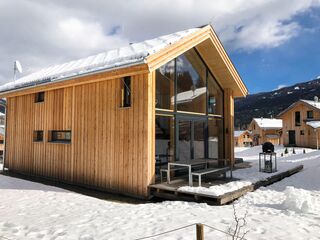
215, 100
215, 139
165, 86
191, 83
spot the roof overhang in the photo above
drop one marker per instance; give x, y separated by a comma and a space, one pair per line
211, 50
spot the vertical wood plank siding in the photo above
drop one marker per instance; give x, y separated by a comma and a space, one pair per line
112, 148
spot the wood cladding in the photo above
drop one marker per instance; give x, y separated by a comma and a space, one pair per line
111, 147
310, 137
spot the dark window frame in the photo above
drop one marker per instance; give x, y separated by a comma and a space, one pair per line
310, 114
297, 119
191, 115
39, 97
126, 92
54, 138
38, 136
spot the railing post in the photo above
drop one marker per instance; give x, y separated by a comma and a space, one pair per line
200, 233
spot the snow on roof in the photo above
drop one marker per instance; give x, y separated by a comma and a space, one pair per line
312, 103
133, 54
313, 124
269, 123
238, 133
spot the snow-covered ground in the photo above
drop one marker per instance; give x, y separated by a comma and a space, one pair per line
249, 176
289, 209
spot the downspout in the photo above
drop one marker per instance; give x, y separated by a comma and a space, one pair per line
4, 137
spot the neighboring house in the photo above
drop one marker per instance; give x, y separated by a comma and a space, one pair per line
242, 138
301, 123
103, 121
265, 130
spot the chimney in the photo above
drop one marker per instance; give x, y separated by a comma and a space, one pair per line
316, 99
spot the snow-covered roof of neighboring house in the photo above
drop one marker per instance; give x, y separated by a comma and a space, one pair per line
314, 104
313, 124
133, 54
269, 123
2, 114
238, 133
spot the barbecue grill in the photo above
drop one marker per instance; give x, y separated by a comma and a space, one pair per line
267, 158
267, 147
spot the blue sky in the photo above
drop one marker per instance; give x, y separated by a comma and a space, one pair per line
295, 61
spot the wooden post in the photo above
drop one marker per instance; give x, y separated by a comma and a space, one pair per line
200, 232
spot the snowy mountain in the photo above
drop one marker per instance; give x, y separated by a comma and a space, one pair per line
267, 104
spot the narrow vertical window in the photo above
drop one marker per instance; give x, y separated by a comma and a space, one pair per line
297, 119
309, 114
39, 97
38, 136
126, 92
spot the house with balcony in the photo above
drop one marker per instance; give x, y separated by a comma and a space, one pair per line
301, 124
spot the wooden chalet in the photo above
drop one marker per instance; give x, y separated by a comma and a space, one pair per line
265, 130
242, 138
106, 121
301, 124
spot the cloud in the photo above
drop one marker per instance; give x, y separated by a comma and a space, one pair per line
42, 33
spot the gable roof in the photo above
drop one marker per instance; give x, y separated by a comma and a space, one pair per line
313, 104
268, 123
240, 132
151, 53
133, 54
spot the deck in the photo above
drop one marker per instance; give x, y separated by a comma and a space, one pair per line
171, 192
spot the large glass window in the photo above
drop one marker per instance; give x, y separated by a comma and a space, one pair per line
215, 99
165, 86
215, 139
164, 140
191, 83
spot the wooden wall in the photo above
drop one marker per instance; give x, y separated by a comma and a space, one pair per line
111, 148
309, 139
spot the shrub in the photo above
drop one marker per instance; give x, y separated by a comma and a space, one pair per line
286, 151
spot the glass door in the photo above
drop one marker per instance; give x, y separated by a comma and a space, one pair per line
191, 139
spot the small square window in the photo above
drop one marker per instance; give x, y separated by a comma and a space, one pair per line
38, 136
39, 97
310, 114
63, 136
302, 132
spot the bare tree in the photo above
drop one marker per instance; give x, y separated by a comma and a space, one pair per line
238, 231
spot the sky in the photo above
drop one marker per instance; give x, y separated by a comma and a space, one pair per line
272, 43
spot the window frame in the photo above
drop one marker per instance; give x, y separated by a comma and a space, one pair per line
297, 118
308, 116
52, 139
39, 97
126, 92
36, 136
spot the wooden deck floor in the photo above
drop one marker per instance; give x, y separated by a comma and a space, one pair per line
171, 192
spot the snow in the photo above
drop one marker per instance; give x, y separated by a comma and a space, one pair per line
297, 88
312, 103
133, 54
269, 123
289, 209
238, 133
313, 124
